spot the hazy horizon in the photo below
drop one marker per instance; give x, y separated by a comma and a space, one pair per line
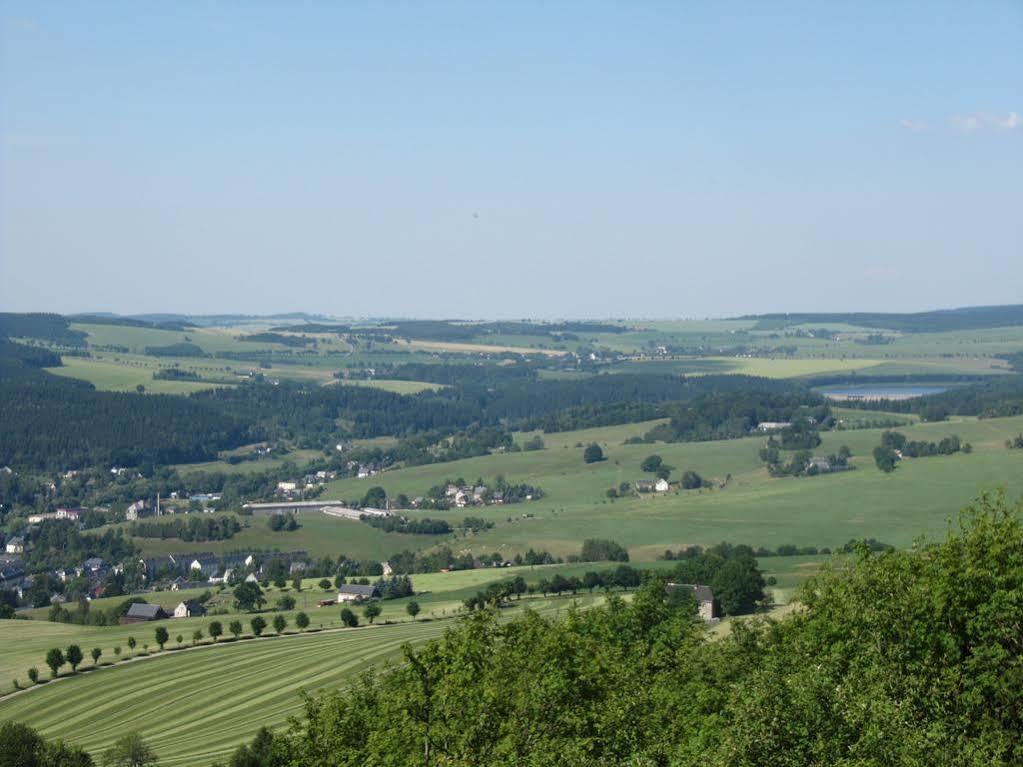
458, 160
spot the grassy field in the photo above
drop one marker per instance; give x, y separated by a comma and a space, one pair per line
398, 387
318, 534
751, 507
195, 706
115, 376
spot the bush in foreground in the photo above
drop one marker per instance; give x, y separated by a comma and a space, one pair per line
896, 657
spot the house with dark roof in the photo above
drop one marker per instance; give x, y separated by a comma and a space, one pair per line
704, 596
353, 592
141, 613
190, 608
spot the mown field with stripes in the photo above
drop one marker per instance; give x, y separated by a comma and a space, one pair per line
195, 706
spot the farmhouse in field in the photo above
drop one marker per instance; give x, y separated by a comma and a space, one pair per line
662, 485
352, 592
644, 485
703, 595
190, 608
141, 613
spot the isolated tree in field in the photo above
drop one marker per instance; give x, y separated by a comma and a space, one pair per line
297, 584
280, 581
280, 622
54, 659
95, 653
216, 629
651, 463
74, 656
302, 621
235, 627
196, 637
412, 608
258, 624
161, 636
132, 644
117, 650
371, 611
593, 453
325, 584
33, 675
885, 458
248, 597
130, 751
349, 618
179, 639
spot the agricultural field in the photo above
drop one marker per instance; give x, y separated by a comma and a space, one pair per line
745, 505
109, 375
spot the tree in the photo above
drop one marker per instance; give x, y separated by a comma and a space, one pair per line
691, 480
738, 585
371, 611
74, 656
96, 653
885, 458
280, 622
216, 629
325, 584
651, 463
129, 751
302, 621
235, 627
196, 637
33, 675
54, 659
297, 583
285, 603
179, 639
349, 618
258, 624
248, 597
593, 453
412, 608
375, 498
161, 636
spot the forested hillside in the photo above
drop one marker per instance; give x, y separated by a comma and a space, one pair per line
48, 422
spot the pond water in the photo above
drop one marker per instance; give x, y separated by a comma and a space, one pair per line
867, 392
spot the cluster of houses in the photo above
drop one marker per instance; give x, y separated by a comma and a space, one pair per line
293, 488
179, 572
466, 495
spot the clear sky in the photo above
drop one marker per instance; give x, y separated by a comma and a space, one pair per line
512, 159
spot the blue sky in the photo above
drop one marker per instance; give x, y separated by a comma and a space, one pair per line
540, 159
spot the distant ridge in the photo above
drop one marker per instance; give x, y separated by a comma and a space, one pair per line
938, 320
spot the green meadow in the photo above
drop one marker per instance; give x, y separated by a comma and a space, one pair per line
744, 505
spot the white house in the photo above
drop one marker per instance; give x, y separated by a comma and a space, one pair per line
662, 485
16, 545
351, 592
703, 595
190, 608
287, 487
134, 511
